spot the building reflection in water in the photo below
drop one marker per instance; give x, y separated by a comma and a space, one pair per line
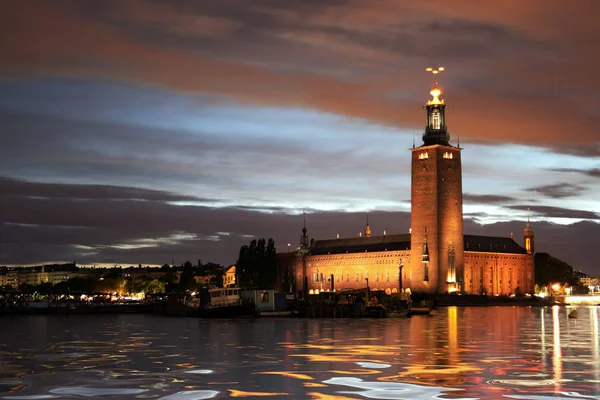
556, 351
595, 339
452, 334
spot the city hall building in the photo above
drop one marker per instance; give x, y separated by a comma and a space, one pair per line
436, 256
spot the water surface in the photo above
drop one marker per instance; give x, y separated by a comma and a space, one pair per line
457, 353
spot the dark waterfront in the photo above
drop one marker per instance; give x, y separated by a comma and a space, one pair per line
478, 352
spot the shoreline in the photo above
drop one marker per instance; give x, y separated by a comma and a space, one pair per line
152, 309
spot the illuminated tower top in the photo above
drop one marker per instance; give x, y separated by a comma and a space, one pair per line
435, 131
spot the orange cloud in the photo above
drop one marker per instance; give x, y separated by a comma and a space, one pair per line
512, 76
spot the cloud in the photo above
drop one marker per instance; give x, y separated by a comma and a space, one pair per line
506, 61
558, 212
36, 230
588, 150
17, 188
559, 190
486, 198
210, 161
592, 172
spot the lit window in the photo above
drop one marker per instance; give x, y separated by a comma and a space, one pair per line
264, 297
423, 156
435, 120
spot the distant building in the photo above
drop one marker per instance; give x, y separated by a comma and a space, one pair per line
589, 281
229, 278
37, 275
436, 256
9, 277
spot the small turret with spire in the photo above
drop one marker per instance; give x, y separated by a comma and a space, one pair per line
304, 238
529, 235
367, 228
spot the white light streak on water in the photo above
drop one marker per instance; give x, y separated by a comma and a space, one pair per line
91, 392
391, 390
200, 371
373, 365
191, 395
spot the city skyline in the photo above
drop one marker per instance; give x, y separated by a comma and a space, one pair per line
142, 132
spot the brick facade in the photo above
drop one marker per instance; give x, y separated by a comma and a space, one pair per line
436, 211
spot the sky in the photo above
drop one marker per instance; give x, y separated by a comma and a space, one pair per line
145, 132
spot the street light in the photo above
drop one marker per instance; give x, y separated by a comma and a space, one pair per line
400, 266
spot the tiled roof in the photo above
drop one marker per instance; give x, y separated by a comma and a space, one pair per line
492, 244
361, 245
473, 243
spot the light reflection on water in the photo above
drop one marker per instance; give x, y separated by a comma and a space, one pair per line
458, 353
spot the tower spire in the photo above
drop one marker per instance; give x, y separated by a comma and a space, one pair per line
367, 228
304, 237
435, 131
304, 226
435, 92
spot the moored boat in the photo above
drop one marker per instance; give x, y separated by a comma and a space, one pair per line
227, 303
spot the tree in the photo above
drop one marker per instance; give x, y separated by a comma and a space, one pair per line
217, 279
256, 265
186, 280
552, 270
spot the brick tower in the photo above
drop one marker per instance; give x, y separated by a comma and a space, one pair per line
437, 249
